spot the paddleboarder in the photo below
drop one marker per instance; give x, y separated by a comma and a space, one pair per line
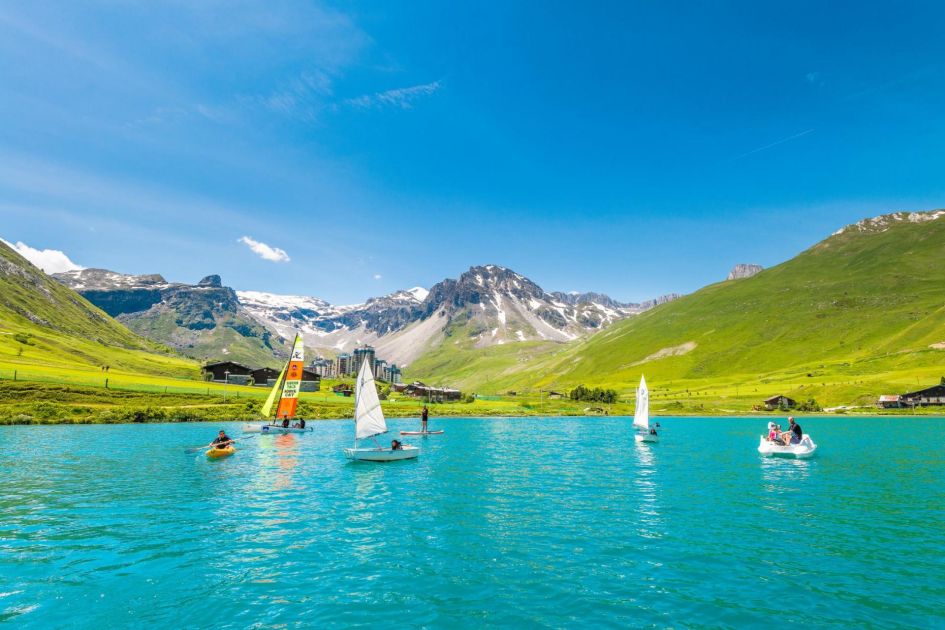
424, 415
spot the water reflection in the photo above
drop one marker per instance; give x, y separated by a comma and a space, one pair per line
648, 489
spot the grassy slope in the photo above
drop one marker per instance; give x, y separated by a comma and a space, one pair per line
64, 329
857, 312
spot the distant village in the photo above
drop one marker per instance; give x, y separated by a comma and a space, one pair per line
345, 365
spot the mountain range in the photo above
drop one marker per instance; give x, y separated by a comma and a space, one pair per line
492, 304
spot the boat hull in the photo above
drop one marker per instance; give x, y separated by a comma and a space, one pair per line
381, 454
804, 449
647, 437
217, 453
273, 429
421, 432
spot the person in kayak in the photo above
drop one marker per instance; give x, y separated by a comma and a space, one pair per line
222, 440
424, 416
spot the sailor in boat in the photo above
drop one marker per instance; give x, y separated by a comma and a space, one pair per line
285, 422
653, 428
299, 425
395, 445
222, 440
424, 416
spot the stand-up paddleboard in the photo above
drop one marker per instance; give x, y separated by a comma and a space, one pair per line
421, 432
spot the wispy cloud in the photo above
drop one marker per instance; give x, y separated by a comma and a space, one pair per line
49, 260
378, 276
264, 251
814, 78
774, 144
403, 98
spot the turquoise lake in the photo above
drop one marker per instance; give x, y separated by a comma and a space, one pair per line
558, 522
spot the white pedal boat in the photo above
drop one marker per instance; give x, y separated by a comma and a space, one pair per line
382, 454
275, 429
802, 450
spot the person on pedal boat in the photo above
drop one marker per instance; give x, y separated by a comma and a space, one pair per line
795, 431
222, 440
773, 435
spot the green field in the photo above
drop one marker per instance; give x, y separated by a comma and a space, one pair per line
858, 315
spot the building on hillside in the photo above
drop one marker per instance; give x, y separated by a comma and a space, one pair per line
344, 365
930, 396
426, 392
362, 354
311, 382
263, 377
380, 370
780, 402
394, 374
555, 395
227, 372
323, 367
889, 401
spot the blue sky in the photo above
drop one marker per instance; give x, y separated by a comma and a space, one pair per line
617, 147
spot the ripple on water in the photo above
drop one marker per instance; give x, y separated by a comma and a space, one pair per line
547, 523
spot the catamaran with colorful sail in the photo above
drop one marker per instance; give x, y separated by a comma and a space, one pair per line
286, 390
641, 415
369, 423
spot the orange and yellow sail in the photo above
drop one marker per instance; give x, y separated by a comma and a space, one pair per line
289, 384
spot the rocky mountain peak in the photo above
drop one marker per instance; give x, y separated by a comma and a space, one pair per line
743, 270
213, 281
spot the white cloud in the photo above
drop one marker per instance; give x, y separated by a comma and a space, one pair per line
264, 251
378, 276
49, 260
401, 97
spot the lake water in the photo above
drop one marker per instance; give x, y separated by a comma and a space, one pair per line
501, 522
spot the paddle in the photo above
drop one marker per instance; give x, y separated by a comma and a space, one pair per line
211, 445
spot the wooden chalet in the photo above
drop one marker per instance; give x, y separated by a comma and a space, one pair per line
779, 402
930, 396
225, 371
889, 401
263, 377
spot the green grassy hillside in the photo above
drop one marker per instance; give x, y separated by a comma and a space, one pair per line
860, 312
44, 325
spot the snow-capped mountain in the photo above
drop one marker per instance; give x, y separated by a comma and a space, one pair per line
488, 305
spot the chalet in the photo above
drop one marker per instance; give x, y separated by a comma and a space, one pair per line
889, 401
555, 395
780, 402
227, 372
433, 394
263, 377
311, 382
927, 397
343, 389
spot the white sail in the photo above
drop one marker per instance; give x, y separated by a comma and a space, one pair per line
641, 415
368, 416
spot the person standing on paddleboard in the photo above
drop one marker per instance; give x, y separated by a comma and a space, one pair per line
424, 415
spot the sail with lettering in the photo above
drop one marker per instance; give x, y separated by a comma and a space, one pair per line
286, 392
292, 381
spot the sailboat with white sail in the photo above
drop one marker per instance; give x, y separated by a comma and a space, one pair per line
369, 423
641, 415
286, 390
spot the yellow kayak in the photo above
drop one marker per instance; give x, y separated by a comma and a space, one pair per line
221, 452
